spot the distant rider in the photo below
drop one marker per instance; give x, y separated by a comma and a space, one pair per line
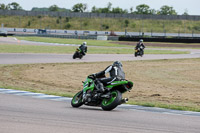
83, 48
140, 45
116, 73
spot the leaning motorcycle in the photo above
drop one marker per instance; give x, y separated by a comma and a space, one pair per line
107, 100
139, 51
78, 54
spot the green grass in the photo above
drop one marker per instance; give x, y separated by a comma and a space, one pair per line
101, 24
166, 106
10, 48
107, 47
72, 41
35, 49
131, 51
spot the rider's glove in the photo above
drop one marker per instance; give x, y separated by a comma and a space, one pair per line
92, 76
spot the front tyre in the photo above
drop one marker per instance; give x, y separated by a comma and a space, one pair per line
74, 56
77, 100
141, 53
135, 54
112, 102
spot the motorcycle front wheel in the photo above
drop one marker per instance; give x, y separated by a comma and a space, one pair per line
74, 56
135, 54
112, 102
141, 53
77, 100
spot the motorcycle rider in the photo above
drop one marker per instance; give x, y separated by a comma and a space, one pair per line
140, 44
83, 48
116, 73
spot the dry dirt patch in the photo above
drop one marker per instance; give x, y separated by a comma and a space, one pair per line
168, 82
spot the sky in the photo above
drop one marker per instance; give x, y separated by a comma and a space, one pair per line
191, 6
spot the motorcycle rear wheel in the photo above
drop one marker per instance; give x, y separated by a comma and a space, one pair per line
77, 100
81, 56
112, 102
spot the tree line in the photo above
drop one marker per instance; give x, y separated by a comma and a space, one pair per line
11, 6
81, 7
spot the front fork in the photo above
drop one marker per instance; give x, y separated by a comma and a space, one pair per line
86, 97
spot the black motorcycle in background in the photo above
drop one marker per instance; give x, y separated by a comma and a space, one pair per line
78, 54
139, 51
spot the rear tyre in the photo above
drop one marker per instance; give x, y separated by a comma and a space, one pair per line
112, 102
77, 100
80, 56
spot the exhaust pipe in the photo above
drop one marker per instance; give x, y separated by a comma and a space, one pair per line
125, 100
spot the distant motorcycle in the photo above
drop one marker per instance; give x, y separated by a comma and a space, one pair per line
139, 51
78, 54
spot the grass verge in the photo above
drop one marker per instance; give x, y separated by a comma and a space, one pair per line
73, 41
107, 47
102, 24
5, 48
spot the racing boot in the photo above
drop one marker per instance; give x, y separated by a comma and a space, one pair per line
100, 86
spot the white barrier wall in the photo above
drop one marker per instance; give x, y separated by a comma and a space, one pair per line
102, 37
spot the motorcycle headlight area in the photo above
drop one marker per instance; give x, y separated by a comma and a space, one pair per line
87, 84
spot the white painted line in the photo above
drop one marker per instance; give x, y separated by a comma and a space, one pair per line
123, 106
62, 99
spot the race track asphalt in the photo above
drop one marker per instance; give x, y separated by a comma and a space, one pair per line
26, 58
22, 114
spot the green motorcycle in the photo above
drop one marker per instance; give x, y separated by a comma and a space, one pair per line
108, 100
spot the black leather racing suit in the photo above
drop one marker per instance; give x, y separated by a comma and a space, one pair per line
83, 49
116, 73
139, 45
